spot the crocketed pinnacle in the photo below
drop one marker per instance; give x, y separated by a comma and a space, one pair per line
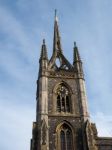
43, 55
76, 56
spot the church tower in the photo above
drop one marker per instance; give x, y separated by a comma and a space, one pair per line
62, 118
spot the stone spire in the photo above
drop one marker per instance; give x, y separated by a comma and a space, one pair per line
56, 41
57, 51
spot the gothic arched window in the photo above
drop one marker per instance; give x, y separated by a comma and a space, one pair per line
63, 99
66, 138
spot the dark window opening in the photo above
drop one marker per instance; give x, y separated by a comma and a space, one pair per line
62, 134
58, 104
66, 138
67, 104
69, 140
63, 104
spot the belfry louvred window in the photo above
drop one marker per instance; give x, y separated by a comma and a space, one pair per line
63, 99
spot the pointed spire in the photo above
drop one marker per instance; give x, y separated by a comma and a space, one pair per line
57, 41
76, 56
43, 55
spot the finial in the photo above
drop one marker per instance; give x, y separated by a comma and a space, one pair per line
44, 41
56, 18
74, 44
55, 13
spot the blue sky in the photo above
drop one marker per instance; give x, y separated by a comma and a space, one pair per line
23, 25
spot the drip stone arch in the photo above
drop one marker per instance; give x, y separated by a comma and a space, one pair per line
65, 84
62, 94
65, 136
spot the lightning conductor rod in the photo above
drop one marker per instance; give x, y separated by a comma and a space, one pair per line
56, 18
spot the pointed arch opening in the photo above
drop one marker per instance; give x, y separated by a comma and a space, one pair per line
58, 62
63, 99
64, 137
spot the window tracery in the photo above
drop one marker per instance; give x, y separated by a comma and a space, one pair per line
63, 99
66, 138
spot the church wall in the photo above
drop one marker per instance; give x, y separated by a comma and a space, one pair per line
104, 143
54, 118
72, 84
54, 121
